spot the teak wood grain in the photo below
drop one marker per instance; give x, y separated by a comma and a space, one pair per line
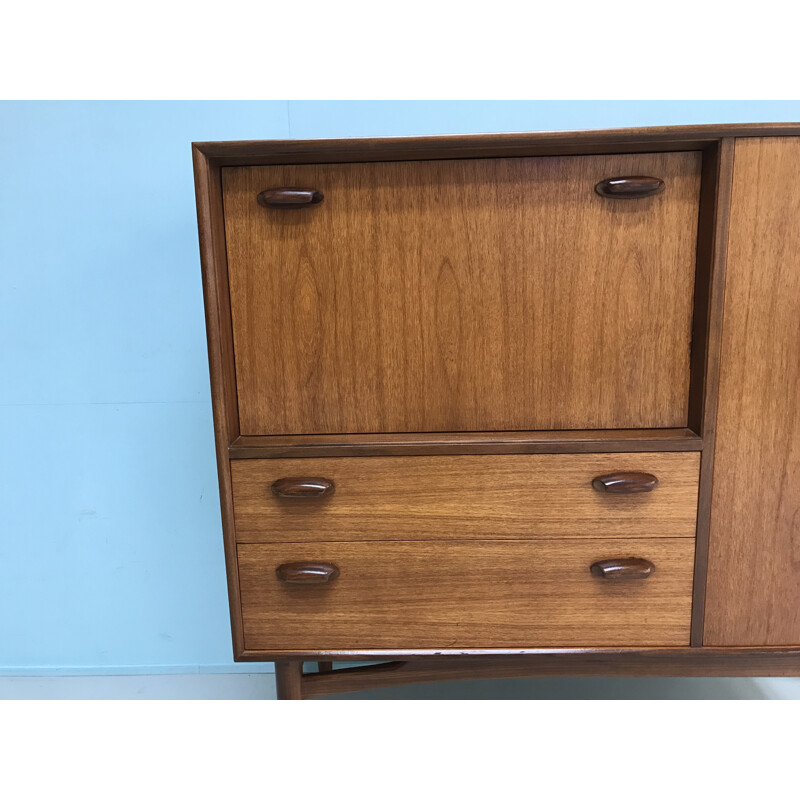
220, 360
479, 295
712, 243
467, 594
457, 497
753, 589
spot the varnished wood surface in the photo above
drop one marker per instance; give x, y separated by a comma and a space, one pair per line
618, 140
220, 358
712, 244
753, 592
692, 656
467, 594
495, 443
288, 680
490, 294
457, 497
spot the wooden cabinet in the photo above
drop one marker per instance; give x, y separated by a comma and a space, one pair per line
510, 404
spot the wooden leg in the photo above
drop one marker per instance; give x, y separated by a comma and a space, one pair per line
324, 666
289, 680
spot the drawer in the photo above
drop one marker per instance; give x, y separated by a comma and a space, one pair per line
465, 497
466, 594
462, 295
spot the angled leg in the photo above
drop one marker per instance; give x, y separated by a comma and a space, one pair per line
289, 680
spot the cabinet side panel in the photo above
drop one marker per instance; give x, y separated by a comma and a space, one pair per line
220, 358
753, 592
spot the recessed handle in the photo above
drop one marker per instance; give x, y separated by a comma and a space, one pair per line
630, 187
623, 569
290, 197
625, 482
307, 572
299, 488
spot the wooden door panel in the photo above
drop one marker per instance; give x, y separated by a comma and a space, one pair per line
753, 590
463, 295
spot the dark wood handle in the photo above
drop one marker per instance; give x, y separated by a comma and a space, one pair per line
616, 569
630, 187
305, 572
289, 197
625, 482
303, 487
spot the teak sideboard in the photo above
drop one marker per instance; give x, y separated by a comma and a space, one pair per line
507, 405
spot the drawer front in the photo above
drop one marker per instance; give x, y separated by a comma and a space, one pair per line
463, 497
462, 295
466, 594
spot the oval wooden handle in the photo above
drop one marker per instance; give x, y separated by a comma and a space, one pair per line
305, 572
289, 197
299, 488
630, 187
616, 569
625, 482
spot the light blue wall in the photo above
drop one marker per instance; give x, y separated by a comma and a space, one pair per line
110, 544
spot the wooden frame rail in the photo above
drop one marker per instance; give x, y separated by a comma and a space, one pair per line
294, 684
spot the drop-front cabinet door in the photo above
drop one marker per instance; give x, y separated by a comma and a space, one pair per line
753, 591
461, 295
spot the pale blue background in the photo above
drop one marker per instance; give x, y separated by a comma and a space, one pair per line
110, 547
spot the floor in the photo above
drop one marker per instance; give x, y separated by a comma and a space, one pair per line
261, 686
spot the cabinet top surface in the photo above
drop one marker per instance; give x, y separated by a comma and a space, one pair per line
498, 144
